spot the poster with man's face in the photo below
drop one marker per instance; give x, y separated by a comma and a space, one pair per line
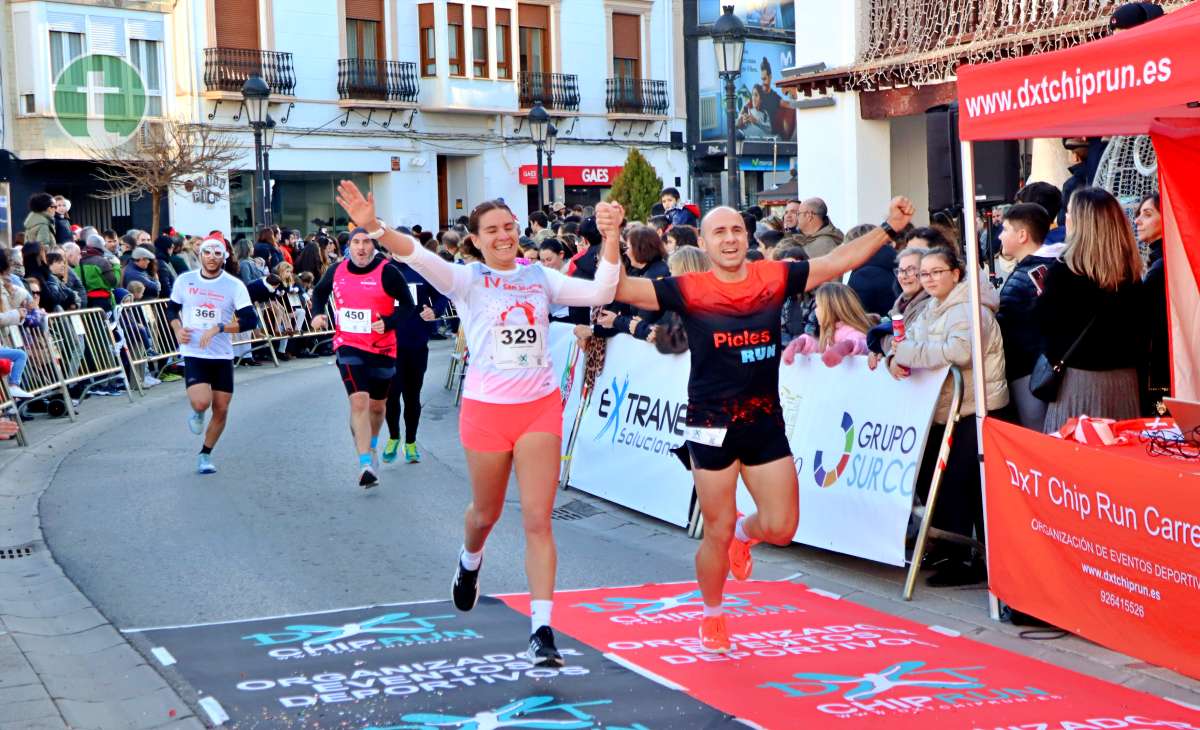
762, 111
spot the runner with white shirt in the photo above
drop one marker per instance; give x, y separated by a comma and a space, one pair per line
207, 305
370, 297
511, 413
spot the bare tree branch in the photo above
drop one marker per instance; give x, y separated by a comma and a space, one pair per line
163, 157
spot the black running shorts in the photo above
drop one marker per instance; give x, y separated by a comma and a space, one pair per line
217, 374
760, 441
366, 373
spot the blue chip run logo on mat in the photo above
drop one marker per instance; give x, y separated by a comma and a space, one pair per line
99, 100
392, 629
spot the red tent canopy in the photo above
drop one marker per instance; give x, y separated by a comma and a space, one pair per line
1141, 81
1121, 84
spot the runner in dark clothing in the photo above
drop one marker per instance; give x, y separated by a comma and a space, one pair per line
734, 419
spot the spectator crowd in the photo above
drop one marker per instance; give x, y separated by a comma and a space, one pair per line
1074, 283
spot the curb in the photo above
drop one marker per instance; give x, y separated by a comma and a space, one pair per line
63, 665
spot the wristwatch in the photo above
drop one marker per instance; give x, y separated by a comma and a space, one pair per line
892, 233
221, 328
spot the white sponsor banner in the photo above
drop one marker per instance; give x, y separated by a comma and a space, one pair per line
857, 438
635, 417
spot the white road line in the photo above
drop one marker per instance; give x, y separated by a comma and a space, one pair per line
163, 656
943, 630
645, 672
1181, 703
827, 594
212, 708
282, 616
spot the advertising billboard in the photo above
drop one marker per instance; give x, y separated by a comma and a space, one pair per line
768, 14
763, 112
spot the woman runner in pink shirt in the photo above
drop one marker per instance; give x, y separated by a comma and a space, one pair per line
511, 412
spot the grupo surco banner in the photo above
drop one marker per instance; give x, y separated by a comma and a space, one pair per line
857, 437
1100, 544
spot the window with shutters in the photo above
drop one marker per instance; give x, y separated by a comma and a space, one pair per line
479, 41
64, 48
503, 43
364, 29
427, 39
534, 37
146, 57
454, 35
237, 23
627, 45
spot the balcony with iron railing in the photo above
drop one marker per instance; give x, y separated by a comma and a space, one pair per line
378, 80
636, 97
557, 92
226, 69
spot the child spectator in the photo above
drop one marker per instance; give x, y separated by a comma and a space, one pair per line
843, 327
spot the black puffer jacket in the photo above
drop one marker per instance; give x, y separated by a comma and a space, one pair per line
1159, 370
1018, 323
656, 269
875, 282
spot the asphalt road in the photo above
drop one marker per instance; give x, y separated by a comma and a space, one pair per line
283, 527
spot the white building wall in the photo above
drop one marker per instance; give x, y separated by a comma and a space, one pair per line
910, 166
473, 121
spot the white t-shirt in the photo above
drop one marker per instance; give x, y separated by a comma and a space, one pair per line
506, 319
205, 303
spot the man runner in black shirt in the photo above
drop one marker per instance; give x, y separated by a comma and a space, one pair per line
734, 419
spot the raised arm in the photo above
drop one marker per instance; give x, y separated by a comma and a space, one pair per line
854, 254
441, 274
638, 292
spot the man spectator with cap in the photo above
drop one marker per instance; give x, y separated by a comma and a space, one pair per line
674, 211
817, 233
97, 273
138, 269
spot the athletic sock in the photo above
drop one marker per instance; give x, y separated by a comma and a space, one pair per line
374, 443
470, 560
739, 530
539, 614
364, 459
206, 450
710, 611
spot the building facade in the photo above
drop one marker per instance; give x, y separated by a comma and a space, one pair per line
422, 103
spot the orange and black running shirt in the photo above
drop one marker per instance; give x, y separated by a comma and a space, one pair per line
733, 334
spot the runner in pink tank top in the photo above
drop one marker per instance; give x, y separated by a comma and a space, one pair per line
368, 297
511, 411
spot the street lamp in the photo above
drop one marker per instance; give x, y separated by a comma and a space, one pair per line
729, 39
551, 139
255, 94
539, 120
268, 143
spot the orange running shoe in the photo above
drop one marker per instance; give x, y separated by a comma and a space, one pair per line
713, 635
741, 562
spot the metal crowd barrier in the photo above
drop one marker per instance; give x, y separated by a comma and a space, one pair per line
90, 351
146, 338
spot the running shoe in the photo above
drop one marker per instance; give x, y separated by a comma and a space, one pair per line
204, 465
714, 637
542, 652
150, 381
170, 377
465, 588
367, 478
741, 562
390, 449
17, 391
411, 455
196, 422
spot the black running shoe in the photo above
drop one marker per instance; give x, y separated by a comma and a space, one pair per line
465, 588
367, 478
542, 652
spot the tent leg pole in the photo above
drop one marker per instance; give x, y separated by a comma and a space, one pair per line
979, 374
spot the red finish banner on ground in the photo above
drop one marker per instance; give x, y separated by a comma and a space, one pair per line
1101, 544
807, 659
576, 175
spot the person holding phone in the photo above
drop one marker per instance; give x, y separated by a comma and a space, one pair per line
1023, 233
370, 298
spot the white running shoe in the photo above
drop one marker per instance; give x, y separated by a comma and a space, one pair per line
17, 391
204, 465
196, 422
150, 381
367, 478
